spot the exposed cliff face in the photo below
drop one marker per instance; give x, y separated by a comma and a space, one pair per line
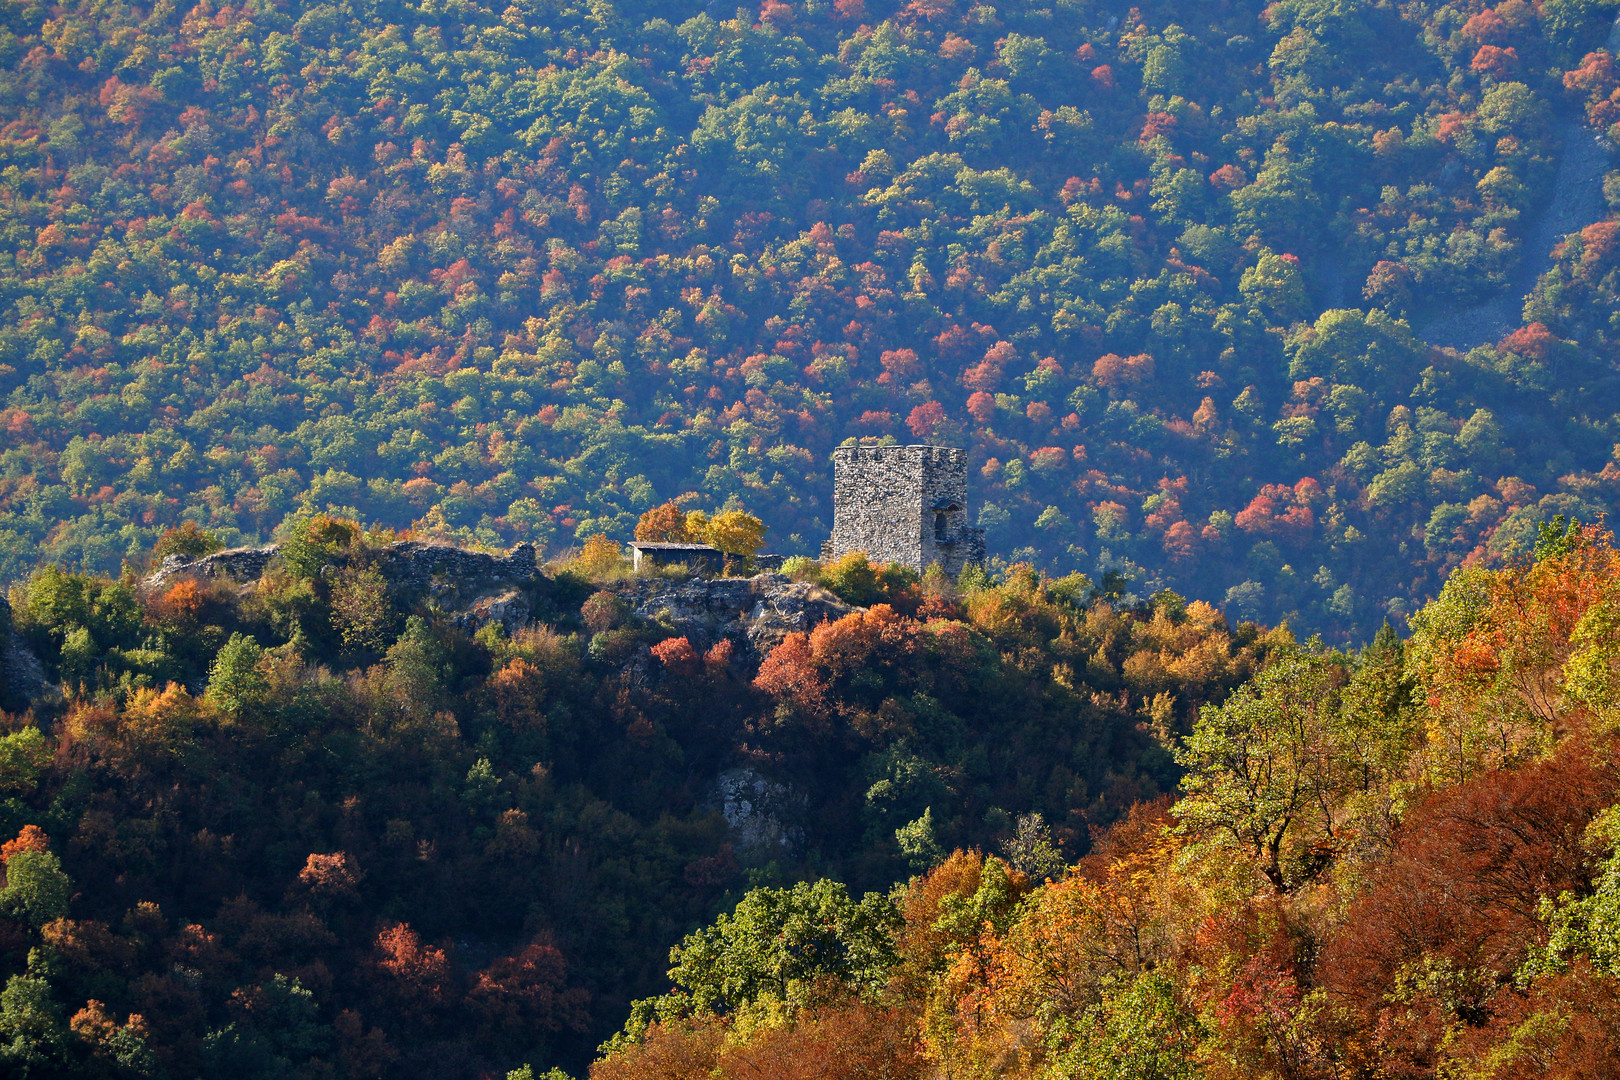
22, 676
758, 810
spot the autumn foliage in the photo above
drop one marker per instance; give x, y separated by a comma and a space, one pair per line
522, 276
469, 844
1436, 911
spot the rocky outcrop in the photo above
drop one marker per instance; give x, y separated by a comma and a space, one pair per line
755, 613
755, 807
476, 588
22, 676
510, 608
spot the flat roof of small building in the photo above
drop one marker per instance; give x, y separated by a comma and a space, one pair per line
662, 545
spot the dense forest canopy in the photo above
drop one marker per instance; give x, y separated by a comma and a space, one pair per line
324, 824
321, 825
1400, 864
521, 273
1188, 280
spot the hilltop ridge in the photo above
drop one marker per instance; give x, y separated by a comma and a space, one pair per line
475, 588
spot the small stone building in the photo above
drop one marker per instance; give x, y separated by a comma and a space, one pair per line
699, 558
904, 504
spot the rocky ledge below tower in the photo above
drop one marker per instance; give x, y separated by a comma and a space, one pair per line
753, 613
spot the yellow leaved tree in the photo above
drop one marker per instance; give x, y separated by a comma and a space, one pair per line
735, 532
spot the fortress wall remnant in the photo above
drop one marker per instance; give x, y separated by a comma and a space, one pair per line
409, 564
243, 564
904, 504
414, 564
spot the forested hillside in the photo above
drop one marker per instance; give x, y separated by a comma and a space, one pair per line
318, 825
1401, 864
524, 272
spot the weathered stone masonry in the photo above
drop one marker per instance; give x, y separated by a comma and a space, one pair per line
904, 504
406, 564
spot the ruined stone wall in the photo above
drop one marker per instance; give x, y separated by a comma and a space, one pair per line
408, 564
904, 504
412, 564
243, 564
877, 503
944, 508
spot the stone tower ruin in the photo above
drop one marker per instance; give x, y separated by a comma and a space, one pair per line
904, 504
